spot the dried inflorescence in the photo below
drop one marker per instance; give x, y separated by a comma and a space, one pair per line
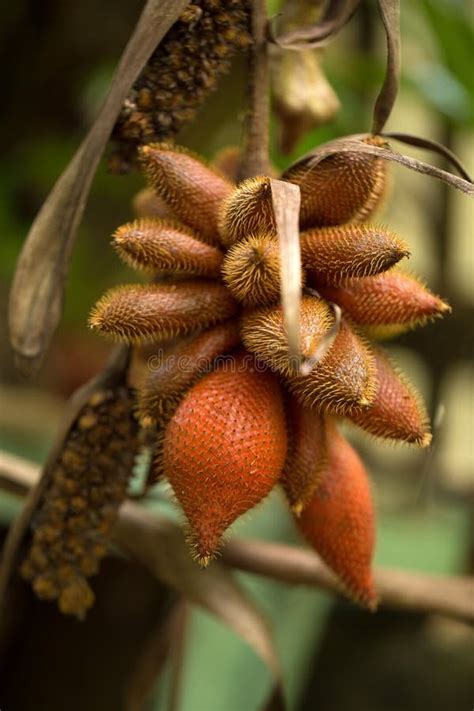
87, 485
231, 427
180, 74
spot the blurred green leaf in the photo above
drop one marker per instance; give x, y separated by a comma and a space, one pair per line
451, 26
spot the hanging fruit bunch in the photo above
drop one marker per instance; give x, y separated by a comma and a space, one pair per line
235, 415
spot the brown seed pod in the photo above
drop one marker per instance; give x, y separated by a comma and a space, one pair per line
344, 379
247, 210
192, 190
140, 313
332, 255
264, 334
158, 245
180, 367
180, 74
306, 457
251, 270
397, 411
88, 484
339, 521
224, 449
387, 304
302, 96
346, 187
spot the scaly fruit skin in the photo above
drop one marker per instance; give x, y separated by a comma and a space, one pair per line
306, 457
224, 449
387, 304
397, 411
167, 247
182, 365
151, 312
346, 187
194, 191
339, 520
331, 255
343, 381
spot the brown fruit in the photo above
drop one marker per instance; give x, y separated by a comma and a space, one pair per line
339, 520
152, 312
346, 187
397, 411
332, 255
193, 190
157, 245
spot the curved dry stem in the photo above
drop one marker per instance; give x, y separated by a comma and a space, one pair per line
37, 293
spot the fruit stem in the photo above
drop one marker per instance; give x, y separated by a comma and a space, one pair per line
255, 159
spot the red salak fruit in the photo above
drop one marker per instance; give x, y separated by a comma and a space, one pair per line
339, 520
224, 449
306, 456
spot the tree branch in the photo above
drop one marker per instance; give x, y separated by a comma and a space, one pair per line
451, 596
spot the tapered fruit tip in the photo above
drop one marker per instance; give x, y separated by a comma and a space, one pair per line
425, 441
146, 421
204, 560
402, 250
95, 321
297, 508
444, 307
365, 597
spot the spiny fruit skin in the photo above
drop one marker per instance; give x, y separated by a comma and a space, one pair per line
306, 457
247, 210
224, 449
159, 245
387, 304
346, 187
87, 486
344, 379
251, 270
180, 74
263, 332
182, 365
339, 520
334, 254
139, 313
397, 411
192, 189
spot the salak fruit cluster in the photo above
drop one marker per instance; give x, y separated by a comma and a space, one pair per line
231, 428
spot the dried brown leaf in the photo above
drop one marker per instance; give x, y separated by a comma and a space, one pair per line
390, 14
354, 144
431, 145
37, 293
286, 205
336, 15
